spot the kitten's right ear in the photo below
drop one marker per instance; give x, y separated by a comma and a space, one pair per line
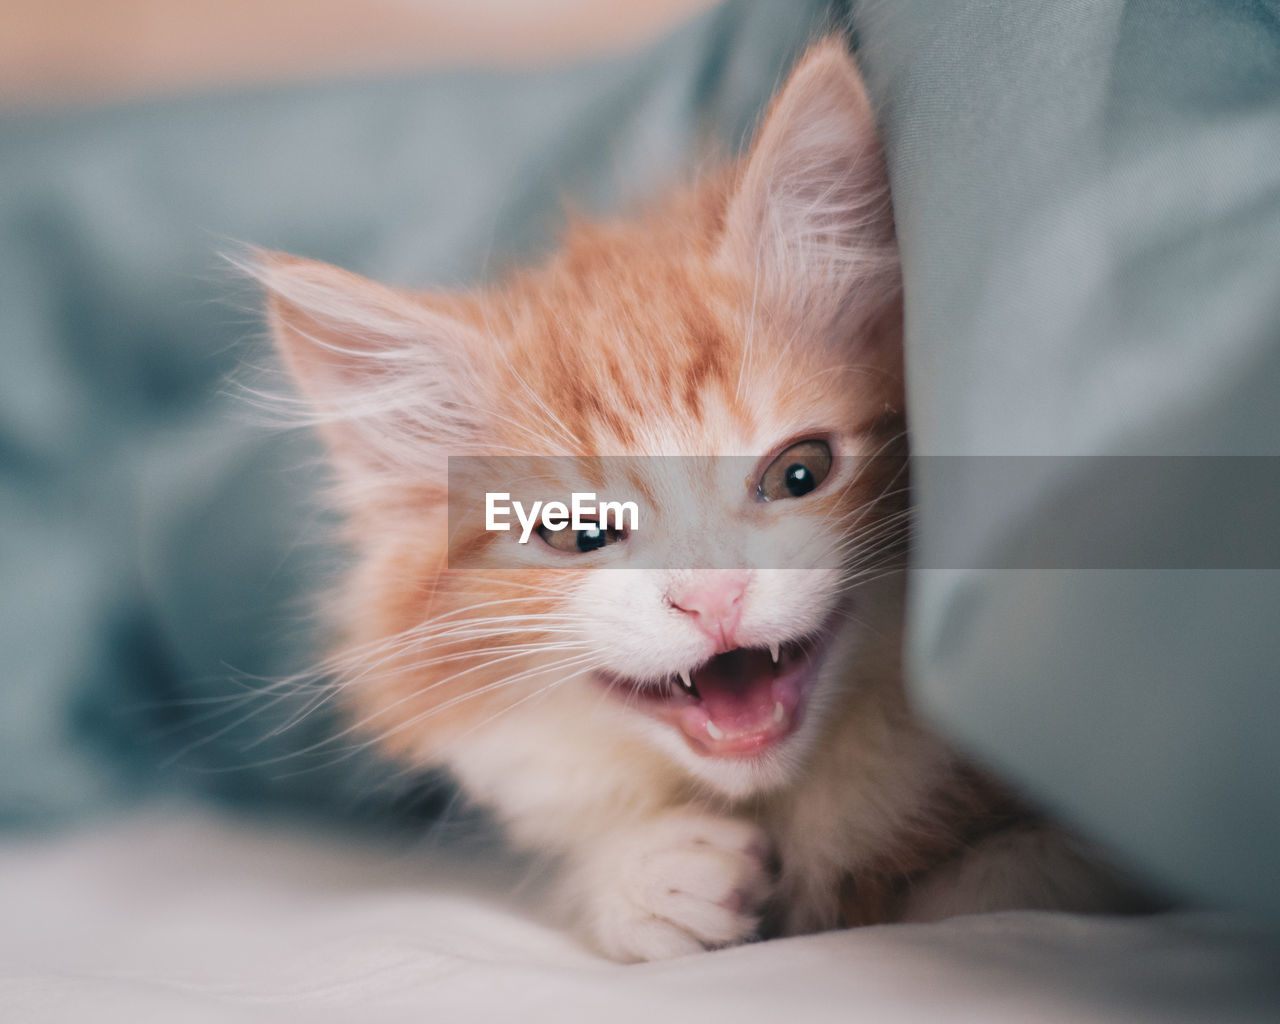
388, 381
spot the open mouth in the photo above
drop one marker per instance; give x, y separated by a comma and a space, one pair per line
738, 703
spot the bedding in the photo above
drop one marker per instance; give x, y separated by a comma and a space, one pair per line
1088, 203
178, 915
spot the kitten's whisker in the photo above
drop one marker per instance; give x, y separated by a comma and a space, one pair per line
380, 738
581, 665
875, 549
867, 461
543, 691
500, 653
418, 693
434, 629
351, 752
583, 661
854, 516
853, 584
893, 526
388, 651
208, 738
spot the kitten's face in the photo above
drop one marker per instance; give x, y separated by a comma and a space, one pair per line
734, 360
718, 628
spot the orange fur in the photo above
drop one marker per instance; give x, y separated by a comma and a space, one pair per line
757, 308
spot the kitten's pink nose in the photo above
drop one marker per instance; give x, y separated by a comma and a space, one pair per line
714, 600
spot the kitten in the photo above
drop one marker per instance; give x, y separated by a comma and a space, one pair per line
714, 753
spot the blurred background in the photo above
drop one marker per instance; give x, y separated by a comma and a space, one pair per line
75, 52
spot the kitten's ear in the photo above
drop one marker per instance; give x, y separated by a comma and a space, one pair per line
810, 224
390, 382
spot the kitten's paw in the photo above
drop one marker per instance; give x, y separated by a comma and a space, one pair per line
677, 884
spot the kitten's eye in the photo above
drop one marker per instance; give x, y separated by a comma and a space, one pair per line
580, 541
795, 472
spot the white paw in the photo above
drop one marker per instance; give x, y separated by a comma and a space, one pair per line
676, 884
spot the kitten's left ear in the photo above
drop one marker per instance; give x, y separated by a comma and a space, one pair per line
810, 225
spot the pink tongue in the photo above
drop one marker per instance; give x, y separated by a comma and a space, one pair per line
737, 689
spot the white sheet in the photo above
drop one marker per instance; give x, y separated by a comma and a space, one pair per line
179, 916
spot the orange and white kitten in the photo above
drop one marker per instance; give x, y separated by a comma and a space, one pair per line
714, 753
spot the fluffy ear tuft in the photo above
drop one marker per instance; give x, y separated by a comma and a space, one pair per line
810, 224
389, 381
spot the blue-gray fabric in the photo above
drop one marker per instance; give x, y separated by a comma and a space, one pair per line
1088, 199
